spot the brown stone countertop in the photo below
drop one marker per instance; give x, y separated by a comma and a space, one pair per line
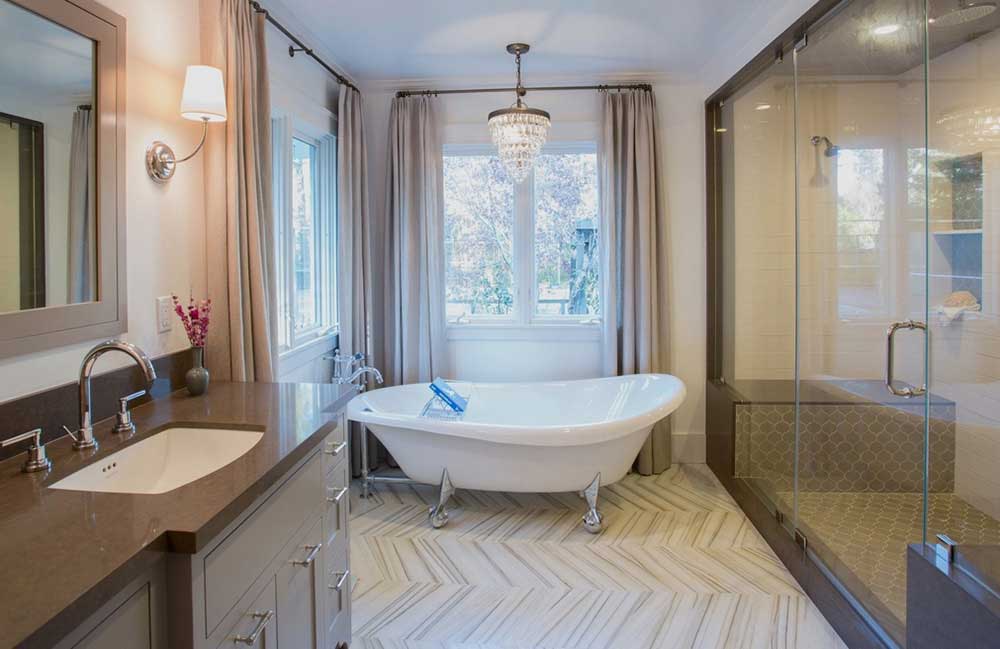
62, 553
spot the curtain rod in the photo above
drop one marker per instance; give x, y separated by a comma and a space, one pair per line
299, 45
466, 91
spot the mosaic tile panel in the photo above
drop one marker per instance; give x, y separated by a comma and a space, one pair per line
845, 447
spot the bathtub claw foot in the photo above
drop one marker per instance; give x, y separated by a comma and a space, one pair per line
439, 514
593, 520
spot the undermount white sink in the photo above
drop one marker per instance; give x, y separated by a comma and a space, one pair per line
169, 459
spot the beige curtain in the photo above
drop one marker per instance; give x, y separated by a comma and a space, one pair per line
636, 336
239, 221
82, 262
354, 215
413, 340
354, 283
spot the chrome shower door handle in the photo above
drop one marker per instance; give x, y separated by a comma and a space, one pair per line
890, 347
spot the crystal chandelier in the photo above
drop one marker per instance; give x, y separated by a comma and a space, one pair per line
518, 131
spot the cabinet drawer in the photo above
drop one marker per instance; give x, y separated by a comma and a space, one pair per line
257, 626
300, 592
338, 501
233, 565
335, 446
338, 597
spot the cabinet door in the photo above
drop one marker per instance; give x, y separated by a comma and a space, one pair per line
338, 595
300, 594
128, 627
258, 626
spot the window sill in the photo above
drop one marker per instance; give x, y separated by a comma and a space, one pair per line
295, 357
549, 332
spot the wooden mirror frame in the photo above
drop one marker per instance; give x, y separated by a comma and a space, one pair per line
55, 326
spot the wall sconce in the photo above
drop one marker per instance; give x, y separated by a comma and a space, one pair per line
204, 100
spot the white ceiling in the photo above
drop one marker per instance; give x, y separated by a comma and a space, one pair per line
396, 39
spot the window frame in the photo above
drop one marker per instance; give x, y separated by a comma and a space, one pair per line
523, 319
286, 130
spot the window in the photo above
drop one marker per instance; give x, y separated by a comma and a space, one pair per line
479, 237
522, 254
304, 313
567, 257
861, 233
305, 209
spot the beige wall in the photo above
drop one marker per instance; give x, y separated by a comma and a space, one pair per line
165, 222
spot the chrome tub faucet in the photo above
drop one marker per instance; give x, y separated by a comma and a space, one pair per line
361, 371
344, 372
83, 438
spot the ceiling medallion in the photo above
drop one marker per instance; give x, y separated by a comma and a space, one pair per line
518, 131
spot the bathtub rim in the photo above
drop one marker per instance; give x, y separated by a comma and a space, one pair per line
530, 435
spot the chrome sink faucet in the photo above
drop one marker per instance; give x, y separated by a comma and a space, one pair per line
83, 438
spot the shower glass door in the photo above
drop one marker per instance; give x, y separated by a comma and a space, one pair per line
757, 136
861, 271
964, 279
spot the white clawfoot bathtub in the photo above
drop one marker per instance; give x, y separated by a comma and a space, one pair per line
524, 437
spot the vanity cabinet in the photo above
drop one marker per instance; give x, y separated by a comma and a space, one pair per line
336, 542
276, 577
135, 618
281, 568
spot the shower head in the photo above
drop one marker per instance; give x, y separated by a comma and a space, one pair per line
831, 149
964, 11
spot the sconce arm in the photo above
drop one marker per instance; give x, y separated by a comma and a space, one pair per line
204, 135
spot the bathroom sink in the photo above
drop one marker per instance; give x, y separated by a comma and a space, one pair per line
169, 459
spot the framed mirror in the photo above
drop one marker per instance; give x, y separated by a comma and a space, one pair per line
62, 220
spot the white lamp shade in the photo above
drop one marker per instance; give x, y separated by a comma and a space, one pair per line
204, 95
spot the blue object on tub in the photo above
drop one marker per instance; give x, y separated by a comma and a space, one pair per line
449, 395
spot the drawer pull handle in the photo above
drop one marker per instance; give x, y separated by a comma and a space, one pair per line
262, 617
340, 494
336, 449
313, 551
342, 577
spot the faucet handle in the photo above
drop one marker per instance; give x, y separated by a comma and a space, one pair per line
37, 460
124, 426
344, 363
83, 439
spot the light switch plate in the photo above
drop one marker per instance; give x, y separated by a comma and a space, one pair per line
164, 314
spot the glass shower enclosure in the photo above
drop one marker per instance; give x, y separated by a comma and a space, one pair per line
857, 286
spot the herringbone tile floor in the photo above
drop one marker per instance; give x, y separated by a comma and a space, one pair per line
677, 566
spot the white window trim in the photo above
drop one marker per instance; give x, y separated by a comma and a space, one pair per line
523, 323
309, 341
